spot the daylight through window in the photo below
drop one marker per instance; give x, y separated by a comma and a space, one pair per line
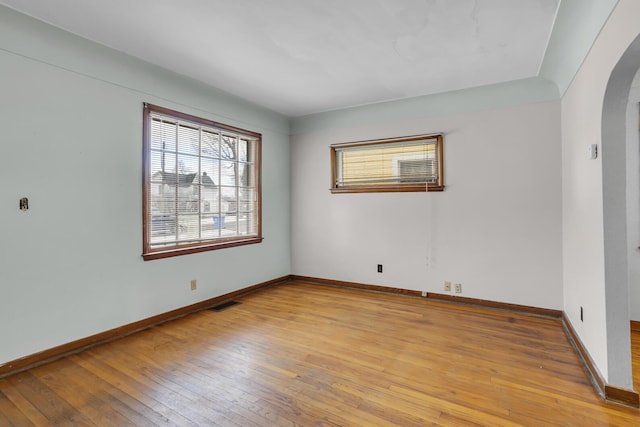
201, 184
398, 164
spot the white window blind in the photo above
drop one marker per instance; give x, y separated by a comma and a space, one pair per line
394, 164
422, 170
201, 183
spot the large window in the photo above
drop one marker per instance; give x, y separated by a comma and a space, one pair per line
398, 164
201, 184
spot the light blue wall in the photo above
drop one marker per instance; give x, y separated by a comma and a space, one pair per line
71, 141
577, 25
483, 98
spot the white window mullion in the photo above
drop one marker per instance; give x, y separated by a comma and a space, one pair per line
236, 170
200, 183
219, 229
177, 184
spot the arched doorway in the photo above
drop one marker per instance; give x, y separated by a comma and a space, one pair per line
633, 222
616, 242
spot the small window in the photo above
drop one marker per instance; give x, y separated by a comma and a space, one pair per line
399, 164
194, 171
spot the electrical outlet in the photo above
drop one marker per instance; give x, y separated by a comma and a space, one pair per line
447, 286
379, 268
458, 288
424, 293
194, 285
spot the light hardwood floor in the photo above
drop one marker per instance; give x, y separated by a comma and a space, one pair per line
301, 354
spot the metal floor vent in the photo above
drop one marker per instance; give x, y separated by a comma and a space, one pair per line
223, 306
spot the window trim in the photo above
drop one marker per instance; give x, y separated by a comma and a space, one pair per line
389, 188
149, 253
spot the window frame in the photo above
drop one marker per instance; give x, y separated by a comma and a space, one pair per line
389, 188
151, 253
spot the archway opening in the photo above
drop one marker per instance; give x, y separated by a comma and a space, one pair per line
633, 222
620, 248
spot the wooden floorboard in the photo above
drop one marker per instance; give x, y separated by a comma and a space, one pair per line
304, 354
635, 360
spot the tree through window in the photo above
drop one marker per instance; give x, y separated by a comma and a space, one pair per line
201, 184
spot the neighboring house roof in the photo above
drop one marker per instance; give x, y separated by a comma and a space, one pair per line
183, 179
207, 181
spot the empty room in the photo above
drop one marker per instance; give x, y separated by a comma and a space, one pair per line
337, 213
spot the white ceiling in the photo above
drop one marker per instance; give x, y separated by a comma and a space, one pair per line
300, 57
